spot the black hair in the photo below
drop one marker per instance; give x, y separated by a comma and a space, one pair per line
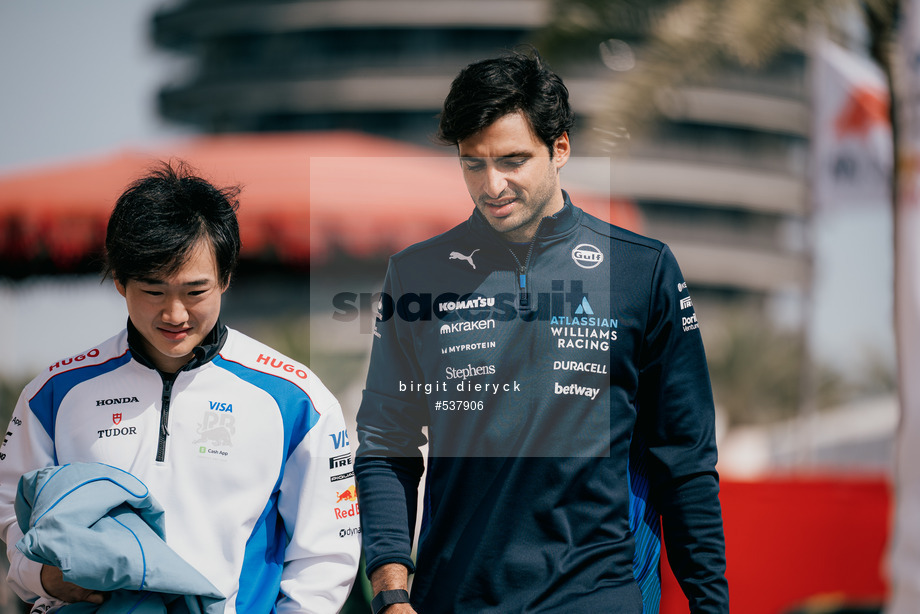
517, 81
160, 217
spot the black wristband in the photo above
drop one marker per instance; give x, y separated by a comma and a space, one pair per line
388, 598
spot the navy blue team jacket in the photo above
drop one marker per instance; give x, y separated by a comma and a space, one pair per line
564, 394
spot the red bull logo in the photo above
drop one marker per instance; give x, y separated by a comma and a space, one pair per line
349, 495
350, 498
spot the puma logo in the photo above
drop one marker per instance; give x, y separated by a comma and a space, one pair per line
459, 256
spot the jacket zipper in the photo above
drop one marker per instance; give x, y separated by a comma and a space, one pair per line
523, 295
164, 417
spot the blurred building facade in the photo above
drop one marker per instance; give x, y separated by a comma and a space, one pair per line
722, 179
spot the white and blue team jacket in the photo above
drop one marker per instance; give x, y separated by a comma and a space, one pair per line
244, 448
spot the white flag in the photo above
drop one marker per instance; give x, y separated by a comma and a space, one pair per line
851, 130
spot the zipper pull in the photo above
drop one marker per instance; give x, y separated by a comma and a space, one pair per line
524, 296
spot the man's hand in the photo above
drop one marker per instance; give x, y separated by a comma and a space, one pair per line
54, 584
388, 577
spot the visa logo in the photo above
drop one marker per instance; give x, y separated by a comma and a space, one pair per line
218, 406
339, 439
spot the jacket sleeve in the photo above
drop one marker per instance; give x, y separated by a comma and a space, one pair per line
677, 421
26, 446
324, 548
389, 424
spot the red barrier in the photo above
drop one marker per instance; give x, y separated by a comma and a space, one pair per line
789, 540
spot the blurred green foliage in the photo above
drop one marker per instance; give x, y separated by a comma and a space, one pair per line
688, 41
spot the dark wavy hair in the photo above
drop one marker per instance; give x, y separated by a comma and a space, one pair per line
517, 81
160, 217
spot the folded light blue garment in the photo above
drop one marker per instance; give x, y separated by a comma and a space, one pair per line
105, 531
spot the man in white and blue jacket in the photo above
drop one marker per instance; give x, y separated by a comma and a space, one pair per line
243, 447
553, 363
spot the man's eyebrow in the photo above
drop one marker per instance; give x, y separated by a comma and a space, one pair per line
516, 154
150, 281
520, 154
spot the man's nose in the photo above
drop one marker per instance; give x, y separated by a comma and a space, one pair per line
175, 312
495, 182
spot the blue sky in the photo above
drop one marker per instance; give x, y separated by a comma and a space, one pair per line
77, 78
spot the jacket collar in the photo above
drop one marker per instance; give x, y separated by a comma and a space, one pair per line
203, 353
553, 226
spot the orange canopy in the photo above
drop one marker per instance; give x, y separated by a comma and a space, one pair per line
305, 196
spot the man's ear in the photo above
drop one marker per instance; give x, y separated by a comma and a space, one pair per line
562, 148
120, 287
